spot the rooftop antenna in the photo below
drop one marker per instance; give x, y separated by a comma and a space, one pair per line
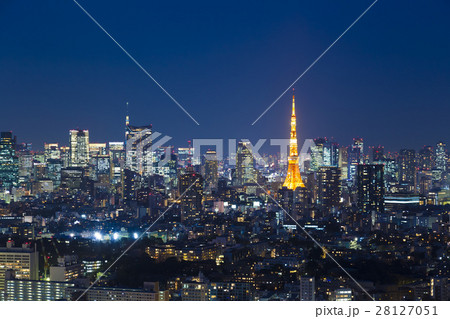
127, 118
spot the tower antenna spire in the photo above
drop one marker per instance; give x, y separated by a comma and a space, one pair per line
127, 118
293, 101
293, 177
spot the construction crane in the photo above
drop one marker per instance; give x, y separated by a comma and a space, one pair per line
56, 248
46, 258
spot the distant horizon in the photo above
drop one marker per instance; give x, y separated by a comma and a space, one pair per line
266, 145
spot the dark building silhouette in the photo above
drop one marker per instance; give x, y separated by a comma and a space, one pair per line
378, 154
329, 186
191, 202
407, 166
370, 188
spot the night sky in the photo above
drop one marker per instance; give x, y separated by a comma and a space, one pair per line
387, 80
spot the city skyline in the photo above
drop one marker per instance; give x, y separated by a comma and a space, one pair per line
226, 151
65, 80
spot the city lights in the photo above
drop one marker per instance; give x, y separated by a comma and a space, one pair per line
332, 188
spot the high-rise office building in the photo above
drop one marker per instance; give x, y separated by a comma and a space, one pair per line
407, 166
79, 148
191, 185
343, 162
138, 146
54, 167
51, 151
354, 158
358, 143
370, 187
317, 154
324, 153
24, 261
245, 165
293, 178
71, 178
426, 159
391, 172
211, 167
97, 149
441, 156
130, 183
25, 166
334, 154
329, 193
185, 156
9, 162
117, 160
65, 156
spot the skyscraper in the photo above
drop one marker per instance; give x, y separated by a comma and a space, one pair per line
441, 157
329, 186
407, 169
211, 170
138, 146
65, 156
370, 185
79, 148
51, 151
354, 158
324, 153
245, 165
426, 158
358, 142
391, 172
117, 160
343, 162
9, 163
191, 202
293, 178
130, 183
185, 156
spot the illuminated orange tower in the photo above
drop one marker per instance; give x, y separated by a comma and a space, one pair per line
293, 178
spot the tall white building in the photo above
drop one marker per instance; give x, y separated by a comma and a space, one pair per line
441, 157
138, 148
79, 148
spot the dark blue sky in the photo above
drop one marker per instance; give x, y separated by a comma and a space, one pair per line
387, 80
